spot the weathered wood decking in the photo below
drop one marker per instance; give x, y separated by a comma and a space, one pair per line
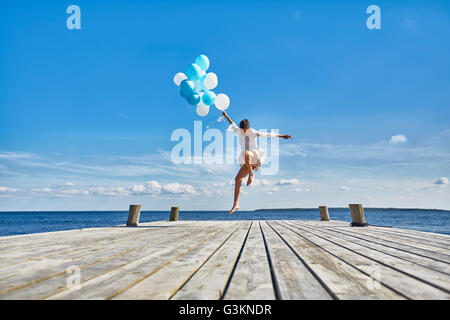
227, 260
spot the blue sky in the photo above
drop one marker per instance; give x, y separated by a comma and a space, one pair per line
86, 115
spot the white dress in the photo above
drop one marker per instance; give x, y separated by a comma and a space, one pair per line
249, 142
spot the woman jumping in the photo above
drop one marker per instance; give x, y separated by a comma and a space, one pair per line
251, 157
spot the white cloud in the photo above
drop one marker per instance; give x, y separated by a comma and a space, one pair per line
149, 188
223, 184
283, 182
400, 138
42, 190
74, 192
344, 188
207, 191
155, 188
293, 150
7, 190
64, 185
443, 181
16, 155
271, 190
263, 182
102, 191
438, 184
302, 190
176, 188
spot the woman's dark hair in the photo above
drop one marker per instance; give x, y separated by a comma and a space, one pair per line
244, 124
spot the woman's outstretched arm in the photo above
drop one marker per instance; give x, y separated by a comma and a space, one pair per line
284, 136
272, 135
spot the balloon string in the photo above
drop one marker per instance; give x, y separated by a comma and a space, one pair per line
218, 120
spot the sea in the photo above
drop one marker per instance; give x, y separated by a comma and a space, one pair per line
26, 222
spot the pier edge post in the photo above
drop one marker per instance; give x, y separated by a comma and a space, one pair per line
357, 214
133, 215
324, 216
174, 213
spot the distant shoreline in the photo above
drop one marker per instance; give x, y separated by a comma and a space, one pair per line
255, 210
346, 208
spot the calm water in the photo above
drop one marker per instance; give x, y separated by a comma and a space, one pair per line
12, 223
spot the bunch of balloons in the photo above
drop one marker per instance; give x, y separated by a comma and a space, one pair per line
196, 87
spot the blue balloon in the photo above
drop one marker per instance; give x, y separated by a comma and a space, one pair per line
200, 83
208, 98
203, 62
193, 99
193, 71
187, 87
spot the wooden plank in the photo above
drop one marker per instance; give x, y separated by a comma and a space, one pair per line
444, 238
411, 254
441, 240
89, 239
436, 239
406, 285
421, 247
433, 277
341, 278
43, 282
69, 249
134, 234
251, 279
370, 232
164, 283
37, 240
93, 248
431, 243
115, 279
295, 280
416, 233
41, 241
210, 280
37, 277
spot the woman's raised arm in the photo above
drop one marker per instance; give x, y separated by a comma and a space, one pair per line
227, 117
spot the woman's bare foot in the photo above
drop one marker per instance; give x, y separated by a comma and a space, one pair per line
250, 179
235, 207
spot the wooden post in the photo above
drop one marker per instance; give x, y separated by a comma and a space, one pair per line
357, 213
324, 213
174, 213
133, 215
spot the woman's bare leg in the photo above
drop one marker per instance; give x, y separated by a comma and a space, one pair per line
242, 173
249, 167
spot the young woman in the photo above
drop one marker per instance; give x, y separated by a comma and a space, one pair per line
251, 157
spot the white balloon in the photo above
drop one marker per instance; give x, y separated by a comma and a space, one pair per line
202, 109
210, 81
222, 101
180, 76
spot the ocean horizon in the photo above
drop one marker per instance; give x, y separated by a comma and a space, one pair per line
27, 222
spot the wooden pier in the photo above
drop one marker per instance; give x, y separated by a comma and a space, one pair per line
288, 259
